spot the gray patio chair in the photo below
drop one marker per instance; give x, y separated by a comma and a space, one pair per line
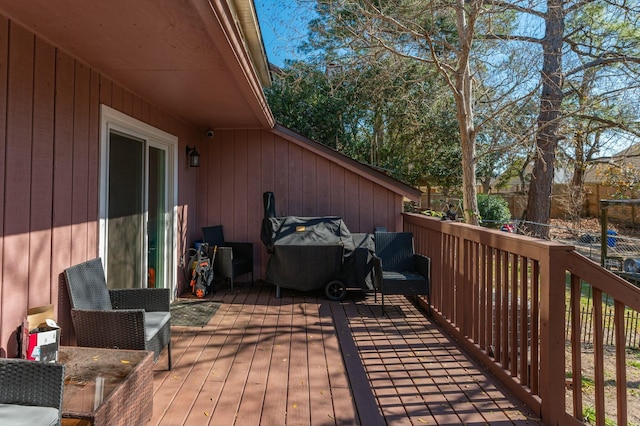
231, 258
398, 269
30, 392
137, 319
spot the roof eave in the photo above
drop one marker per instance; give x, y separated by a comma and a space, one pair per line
245, 13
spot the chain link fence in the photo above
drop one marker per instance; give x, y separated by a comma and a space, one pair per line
587, 242
622, 258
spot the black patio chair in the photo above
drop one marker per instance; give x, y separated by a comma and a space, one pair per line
30, 392
231, 258
398, 269
137, 319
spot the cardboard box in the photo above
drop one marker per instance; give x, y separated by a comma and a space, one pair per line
41, 337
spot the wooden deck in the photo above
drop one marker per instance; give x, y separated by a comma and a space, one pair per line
302, 360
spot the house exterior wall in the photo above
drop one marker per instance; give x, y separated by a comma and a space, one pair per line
49, 159
238, 166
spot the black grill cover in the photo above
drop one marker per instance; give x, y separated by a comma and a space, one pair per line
306, 231
306, 252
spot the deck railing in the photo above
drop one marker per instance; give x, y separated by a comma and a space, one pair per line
512, 300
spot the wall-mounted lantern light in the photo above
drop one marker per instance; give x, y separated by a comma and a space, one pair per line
193, 156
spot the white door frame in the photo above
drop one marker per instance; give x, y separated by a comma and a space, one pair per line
111, 119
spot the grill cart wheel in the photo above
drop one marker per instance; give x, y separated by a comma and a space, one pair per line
335, 290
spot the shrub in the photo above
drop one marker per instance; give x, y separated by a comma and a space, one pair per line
493, 209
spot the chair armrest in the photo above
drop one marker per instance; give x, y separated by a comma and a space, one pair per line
422, 265
377, 273
122, 328
242, 250
149, 299
223, 263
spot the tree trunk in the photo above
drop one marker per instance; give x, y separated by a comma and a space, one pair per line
464, 111
539, 202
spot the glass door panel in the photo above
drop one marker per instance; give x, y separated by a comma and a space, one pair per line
125, 219
157, 219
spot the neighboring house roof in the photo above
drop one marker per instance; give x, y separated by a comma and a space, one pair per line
630, 155
354, 166
201, 61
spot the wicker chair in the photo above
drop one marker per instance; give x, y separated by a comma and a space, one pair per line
137, 319
398, 270
30, 392
232, 258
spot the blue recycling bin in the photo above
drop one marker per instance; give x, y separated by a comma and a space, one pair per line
611, 239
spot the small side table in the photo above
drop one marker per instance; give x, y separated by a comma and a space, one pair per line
106, 386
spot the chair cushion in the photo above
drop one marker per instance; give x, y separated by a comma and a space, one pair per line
27, 415
404, 283
153, 322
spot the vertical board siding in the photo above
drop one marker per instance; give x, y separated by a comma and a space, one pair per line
303, 182
337, 189
50, 161
296, 173
62, 181
351, 206
281, 177
93, 163
4, 60
255, 210
17, 181
80, 161
42, 174
240, 188
309, 182
266, 146
323, 187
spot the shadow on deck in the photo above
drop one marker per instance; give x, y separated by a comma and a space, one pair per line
304, 360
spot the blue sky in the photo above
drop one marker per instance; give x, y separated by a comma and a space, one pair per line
284, 26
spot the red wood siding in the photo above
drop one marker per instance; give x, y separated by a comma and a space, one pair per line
239, 165
49, 158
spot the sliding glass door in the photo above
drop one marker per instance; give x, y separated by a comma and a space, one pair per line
137, 204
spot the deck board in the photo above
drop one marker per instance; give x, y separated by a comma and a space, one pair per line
303, 360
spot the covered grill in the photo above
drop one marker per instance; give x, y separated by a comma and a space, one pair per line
309, 253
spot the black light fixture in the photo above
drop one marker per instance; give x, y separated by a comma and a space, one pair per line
193, 156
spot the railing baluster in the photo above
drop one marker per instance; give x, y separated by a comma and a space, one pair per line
621, 364
475, 305
576, 352
491, 301
513, 286
505, 310
498, 308
535, 327
482, 312
598, 354
524, 323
